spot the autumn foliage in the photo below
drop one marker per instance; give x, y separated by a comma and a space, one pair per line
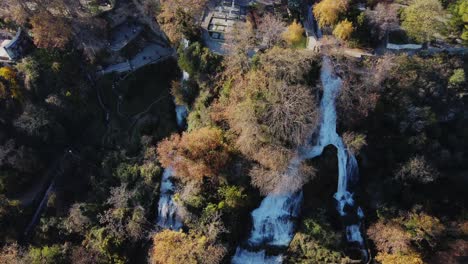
50, 31
196, 154
293, 34
174, 247
327, 12
9, 86
343, 30
178, 18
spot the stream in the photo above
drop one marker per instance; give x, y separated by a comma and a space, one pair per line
273, 221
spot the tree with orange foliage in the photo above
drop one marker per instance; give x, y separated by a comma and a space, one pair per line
196, 154
50, 31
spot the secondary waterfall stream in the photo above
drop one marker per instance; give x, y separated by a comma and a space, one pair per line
273, 221
168, 216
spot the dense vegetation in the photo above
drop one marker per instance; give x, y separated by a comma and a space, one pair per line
95, 146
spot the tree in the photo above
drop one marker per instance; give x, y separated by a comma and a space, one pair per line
173, 247
423, 227
35, 121
423, 19
383, 18
240, 40
179, 18
46, 255
459, 18
389, 237
271, 110
343, 30
196, 154
30, 69
50, 31
327, 12
315, 242
77, 221
270, 30
417, 170
294, 33
11, 254
410, 258
9, 87
354, 142
458, 77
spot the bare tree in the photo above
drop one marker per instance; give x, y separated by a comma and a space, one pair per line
383, 18
270, 31
240, 40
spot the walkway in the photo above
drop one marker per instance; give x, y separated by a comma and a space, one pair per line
151, 54
124, 34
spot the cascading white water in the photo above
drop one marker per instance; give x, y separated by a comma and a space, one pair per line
181, 110
168, 216
273, 221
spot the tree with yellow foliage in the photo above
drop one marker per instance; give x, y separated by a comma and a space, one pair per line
174, 247
9, 87
327, 12
294, 33
343, 30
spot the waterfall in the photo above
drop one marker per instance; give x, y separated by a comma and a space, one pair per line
168, 216
181, 110
167, 209
273, 221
